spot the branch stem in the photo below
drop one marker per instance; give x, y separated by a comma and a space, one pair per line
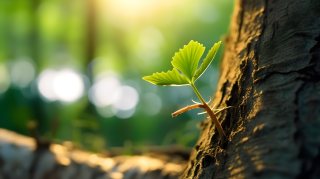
197, 92
211, 114
187, 109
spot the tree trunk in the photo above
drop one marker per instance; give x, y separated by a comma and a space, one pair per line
270, 73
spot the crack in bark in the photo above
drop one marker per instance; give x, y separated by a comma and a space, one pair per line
304, 71
223, 89
315, 52
306, 169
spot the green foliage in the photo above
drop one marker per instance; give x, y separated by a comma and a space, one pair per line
172, 78
186, 60
206, 62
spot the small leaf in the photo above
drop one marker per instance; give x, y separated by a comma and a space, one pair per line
187, 59
171, 78
206, 62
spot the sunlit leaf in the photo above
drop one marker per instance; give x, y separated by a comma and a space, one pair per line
171, 78
187, 59
206, 62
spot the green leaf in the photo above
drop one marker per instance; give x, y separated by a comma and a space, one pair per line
187, 59
171, 78
206, 62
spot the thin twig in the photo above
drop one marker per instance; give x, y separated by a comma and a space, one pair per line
187, 109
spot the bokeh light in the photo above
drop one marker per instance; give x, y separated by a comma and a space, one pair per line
151, 99
45, 84
112, 98
22, 72
105, 111
65, 85
128, 98
124, 114
104, 91
68, 85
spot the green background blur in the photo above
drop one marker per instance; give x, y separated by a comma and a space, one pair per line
126, 38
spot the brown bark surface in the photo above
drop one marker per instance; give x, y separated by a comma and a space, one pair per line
271, 74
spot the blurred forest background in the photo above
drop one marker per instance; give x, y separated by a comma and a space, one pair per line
74, 68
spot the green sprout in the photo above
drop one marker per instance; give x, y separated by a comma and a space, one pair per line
186, 61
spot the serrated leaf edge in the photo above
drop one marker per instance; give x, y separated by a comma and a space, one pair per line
205, 64
174, 72
176, 63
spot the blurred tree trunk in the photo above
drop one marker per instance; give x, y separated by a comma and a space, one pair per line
271, 74
23, 158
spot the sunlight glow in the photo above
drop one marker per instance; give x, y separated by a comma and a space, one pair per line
151, 38
130, 7
64, 85
148, 48
206, 12
68, 85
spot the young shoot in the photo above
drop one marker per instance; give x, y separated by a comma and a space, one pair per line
186, 61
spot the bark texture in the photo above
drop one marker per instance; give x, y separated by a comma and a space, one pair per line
271, 74
21, 158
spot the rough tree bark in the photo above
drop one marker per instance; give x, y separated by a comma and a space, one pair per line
271, 74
